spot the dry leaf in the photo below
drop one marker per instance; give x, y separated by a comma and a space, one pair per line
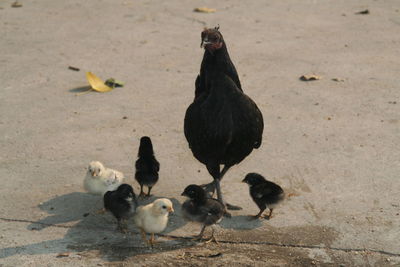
204, 10
364, 12
16, 4
73, 68
338, 79
310, 77
114, 83
96, 83
63, 254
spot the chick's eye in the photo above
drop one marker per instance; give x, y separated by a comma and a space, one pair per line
164, 207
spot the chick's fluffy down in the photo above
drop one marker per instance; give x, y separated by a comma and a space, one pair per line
153, 218
99, 179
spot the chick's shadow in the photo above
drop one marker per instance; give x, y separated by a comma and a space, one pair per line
94, 232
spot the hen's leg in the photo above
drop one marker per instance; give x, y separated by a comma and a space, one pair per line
210, 188
142, 194
217, 175
148, 193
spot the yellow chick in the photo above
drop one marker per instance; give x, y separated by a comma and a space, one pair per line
100, 179
153, 218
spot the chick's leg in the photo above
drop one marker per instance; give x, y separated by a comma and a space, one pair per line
122, 226
212, 238
258, 215
152, 241
199, 237
143, 233
270, 214
101, 211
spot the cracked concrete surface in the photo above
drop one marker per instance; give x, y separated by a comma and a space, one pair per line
332, 145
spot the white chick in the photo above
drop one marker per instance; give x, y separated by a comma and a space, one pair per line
100, 179
153, 218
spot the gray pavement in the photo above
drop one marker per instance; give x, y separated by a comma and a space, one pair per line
332, 145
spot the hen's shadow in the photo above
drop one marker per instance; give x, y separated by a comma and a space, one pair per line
93, 231
68, 208
241, 222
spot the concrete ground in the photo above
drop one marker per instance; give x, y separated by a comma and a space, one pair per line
332, 145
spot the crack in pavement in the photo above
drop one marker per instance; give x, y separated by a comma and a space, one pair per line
383, 252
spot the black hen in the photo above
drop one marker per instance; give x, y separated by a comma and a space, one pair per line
121, 203
199, 208
213, 42
222, 125
147, 167
264, 193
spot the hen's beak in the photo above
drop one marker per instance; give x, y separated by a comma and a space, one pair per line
204, 43
183, 194
170, 209
244, 181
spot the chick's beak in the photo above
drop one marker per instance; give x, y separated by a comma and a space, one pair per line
170, 209
94, 173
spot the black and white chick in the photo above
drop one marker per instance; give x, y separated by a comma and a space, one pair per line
147, 166
264, 193
122, 204
202, 209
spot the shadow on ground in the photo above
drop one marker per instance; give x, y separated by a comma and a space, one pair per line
95, 232
80, 89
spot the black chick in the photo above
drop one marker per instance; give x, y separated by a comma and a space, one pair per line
122, 204
222, 125
264, 193
147, 167
202, 209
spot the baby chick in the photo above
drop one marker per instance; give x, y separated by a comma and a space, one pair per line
153, 218
122, 204
100, 179
202, 209
264, 193
147, 166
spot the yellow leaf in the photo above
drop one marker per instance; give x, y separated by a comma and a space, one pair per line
96, 83
204, 10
